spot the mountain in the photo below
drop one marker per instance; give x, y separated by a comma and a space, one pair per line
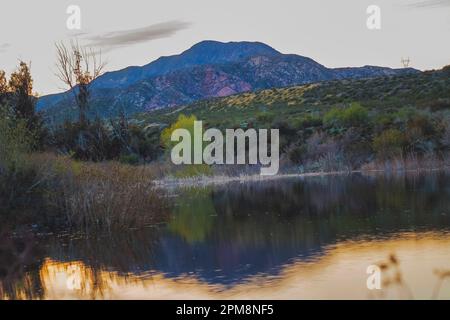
201, 54
208, 69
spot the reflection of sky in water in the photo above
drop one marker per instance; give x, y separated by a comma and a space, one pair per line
341, 273
307, 238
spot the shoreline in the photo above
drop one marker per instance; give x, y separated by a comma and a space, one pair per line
204, 181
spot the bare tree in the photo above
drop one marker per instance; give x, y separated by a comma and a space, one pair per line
77, 67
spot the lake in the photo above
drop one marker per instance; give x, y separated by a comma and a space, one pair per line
296, 238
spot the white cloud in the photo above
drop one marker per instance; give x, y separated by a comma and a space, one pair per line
112, 40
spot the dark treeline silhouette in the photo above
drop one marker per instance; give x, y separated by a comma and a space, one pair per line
94, 139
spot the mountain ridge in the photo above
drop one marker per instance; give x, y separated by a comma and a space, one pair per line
206, 70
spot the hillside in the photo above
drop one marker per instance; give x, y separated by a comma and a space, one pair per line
424, 91
339, 124
207, 70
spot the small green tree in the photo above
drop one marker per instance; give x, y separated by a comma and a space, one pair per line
183, 122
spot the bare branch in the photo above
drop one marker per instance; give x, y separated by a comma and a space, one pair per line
77, 67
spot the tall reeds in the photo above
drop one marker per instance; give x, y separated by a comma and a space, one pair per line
91, 196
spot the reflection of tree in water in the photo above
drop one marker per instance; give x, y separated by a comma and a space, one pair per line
129, 252
19, 267
414, 201
193, 215
259, 227
338, 206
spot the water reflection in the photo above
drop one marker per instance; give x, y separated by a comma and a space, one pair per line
311, 238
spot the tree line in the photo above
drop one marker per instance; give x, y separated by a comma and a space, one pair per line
85, 139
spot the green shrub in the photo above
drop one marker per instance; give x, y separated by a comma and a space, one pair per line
404, 114
98, 141
17, 178
389, 143
352, 116
308, 121
265, 117
15, 141
383, 120
131, 159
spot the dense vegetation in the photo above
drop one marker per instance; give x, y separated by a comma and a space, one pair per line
339, 125
63, 190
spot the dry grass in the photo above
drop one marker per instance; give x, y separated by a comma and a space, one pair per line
393, 278
410, 162
105, 195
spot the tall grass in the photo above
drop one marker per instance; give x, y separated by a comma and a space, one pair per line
409, 162
91, 196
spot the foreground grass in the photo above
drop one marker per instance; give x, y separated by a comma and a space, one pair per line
82, 195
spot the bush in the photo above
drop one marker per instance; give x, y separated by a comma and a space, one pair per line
17, 180
308, 121
265, 117
352, 116
389, 143
131, 159
15, 141
183, 122
97, 141
383, 120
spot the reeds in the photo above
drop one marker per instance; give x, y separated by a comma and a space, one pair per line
409, 162
91, 196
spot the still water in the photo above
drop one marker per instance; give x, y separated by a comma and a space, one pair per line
299, 238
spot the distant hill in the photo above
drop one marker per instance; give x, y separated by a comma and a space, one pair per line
209, 69
428, 91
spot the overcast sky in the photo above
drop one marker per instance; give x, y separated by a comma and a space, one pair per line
135, 32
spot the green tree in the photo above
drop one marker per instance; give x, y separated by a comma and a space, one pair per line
183, 122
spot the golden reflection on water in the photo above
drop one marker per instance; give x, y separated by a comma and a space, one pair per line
338, 274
